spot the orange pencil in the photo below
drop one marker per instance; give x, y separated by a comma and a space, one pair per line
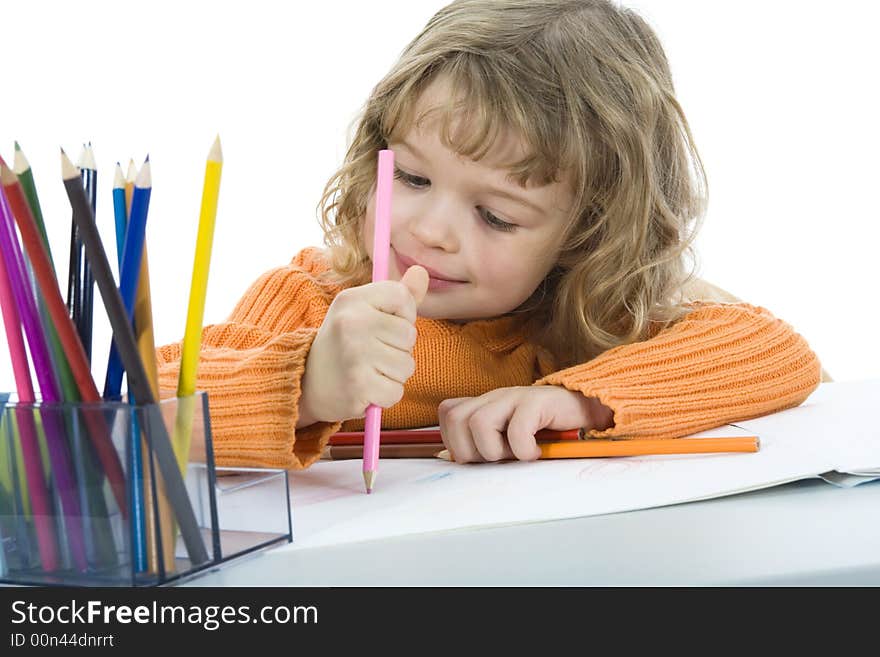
603, 447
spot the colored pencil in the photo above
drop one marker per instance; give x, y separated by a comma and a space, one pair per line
73, 348
74, 284
397, 451
36, 484
102, 550
604, 447
75, 267
23, 172
132, 254
130, 177
137, 376
143, 538
89, 175
15, 508
192, 337
381, 246
143, 326
415, 436
120, 220
58, 454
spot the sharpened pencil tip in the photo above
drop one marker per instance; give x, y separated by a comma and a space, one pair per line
369, 480
216, 153
20, 164
145, 177
7, 177
68, 170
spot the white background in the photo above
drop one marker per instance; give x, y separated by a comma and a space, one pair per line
781, 97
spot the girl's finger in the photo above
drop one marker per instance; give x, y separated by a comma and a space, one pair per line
393, 363
395, 332
454, 430
488, 425
524, 423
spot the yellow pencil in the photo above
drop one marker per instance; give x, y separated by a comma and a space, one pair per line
192, 337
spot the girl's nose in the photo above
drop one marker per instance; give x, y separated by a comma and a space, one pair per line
434, 226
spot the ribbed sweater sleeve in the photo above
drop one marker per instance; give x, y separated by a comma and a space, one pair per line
251, 367
721, 363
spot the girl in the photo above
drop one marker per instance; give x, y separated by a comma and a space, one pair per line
547, 192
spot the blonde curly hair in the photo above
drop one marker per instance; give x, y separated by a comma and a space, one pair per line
586, 87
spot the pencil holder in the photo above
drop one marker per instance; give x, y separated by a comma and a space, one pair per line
114, 494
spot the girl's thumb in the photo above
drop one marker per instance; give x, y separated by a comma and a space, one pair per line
416, 280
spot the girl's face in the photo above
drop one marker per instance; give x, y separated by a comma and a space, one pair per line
486, 242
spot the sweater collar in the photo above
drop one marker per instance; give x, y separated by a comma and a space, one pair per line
498, 334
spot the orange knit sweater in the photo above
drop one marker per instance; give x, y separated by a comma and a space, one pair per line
721, 363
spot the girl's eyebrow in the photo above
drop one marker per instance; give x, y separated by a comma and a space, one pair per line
412, 149
516, 198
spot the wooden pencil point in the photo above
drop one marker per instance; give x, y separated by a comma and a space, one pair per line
216, 153
68, 170
89, 158
144, 178
118, 180
6, 174
20, 164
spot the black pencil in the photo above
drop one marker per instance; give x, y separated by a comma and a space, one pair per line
74, 281
90, 183
157, 434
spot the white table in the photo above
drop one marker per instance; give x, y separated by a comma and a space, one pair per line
803, 533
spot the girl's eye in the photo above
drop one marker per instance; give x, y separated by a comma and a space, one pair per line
495, 222
416, 182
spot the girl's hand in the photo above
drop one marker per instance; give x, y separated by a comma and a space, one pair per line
501, 424
362, 353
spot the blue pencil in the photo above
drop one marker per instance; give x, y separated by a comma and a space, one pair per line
136, 488
119, 218
132, 253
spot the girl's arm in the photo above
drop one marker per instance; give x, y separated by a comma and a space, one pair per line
722, 363
697, 289
252, 365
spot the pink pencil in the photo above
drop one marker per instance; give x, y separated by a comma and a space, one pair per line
30, 450
381, 245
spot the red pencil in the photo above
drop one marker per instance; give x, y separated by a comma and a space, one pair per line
73, 348
415, 436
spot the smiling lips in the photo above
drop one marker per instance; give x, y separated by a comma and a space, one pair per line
436, 281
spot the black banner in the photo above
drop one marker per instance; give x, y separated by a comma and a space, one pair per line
269, 619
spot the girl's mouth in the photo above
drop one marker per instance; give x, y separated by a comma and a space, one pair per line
436, 281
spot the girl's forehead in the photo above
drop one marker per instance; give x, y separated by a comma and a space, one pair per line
440, 114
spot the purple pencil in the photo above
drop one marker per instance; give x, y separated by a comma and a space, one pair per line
58, 455
30, 449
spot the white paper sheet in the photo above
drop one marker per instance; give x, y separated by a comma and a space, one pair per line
833, 430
